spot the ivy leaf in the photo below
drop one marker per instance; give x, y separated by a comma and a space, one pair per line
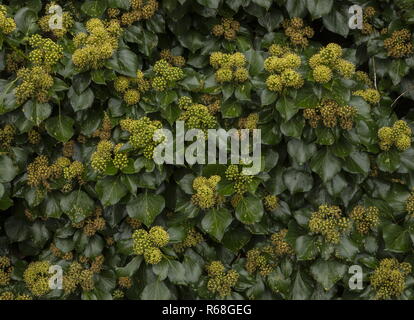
212, 4
388, 161
286, 107
319, 8
125, 62
36, 112
191, 40
216, 221
327, 273
325, 165
77, 205
337, 21
396, 238
94, 8
26, 19
146, 207
297, 181
110, 190
300, 151
249, 210
156, 290
81, 101
305, 248
8, 170
60, 128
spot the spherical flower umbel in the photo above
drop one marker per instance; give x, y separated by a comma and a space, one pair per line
398, 135
36, 277
388, 279
329, 222
149, 243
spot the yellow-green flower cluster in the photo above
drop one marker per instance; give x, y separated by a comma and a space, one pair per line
256, 260
142, 132
38, 172
140, 10
280, 246
370, 95
166, 75
177, 61
388, 279
14, 61
364, 78
264, 259
132, 88
297, 32
36, 277
213, 103
35, 83
195, 115
7, 135
92, 224
149, 243
365, 218
409, 204
228, 29
59, 253
328, 60
329, 222
330, 114
96, 46
125, 282
192, 238
399, 44
241, 181
104, 132
398, 135
220, 281
250, 122
120, 159
206, 195
367, 27
46, 53
5, 270
34, 137
8, 295
271, 202
71, 277
229, 67
282, 64
7, 25
67, 22
36, 80
74, 170
102, 157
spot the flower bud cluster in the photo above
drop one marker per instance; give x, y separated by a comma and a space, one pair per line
329, 222
142, 134
206, 196
228, 29
297, 32
330, 114
328, 60
220, 281
399, 135
149, 243
229, 67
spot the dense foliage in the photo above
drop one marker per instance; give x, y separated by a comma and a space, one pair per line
79, 187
